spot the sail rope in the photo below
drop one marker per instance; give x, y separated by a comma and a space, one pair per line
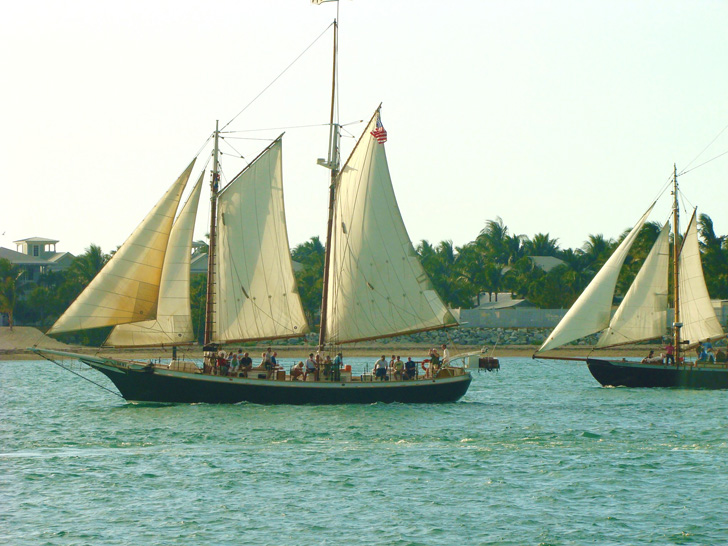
686, 170
79, 375
278, 76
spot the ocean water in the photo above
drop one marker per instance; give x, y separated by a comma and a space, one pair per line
537, 453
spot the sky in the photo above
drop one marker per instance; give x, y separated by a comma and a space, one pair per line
560, 117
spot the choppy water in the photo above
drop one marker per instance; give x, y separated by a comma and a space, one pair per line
535, 454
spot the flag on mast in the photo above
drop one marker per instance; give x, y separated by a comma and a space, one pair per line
379, 132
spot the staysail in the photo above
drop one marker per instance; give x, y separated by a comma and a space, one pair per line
591, 311
127, 288
255, 290
696, 312
173, 324
377, 286
642, 314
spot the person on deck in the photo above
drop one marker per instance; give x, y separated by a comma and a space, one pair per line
246, 364
398, 369
380, 368
310, 367
234, 363
709, 354
297, 371
410, 368
669, 353
223, 364
336, 366
445, 354
434, 363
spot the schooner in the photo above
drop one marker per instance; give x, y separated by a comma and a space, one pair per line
374, 285
642, 314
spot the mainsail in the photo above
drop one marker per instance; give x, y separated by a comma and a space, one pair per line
173, 324
642, 314
127, 288
255, 290
377, 286
696, 312
591, 311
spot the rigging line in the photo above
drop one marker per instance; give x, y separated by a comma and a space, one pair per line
81, 376
199, 151
240, 155
702, 164
704, 149
287, 128
278, 76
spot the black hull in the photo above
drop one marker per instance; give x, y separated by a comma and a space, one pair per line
147, 384
618, 373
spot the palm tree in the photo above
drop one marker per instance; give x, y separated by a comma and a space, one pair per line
541, 245
715, 258
9, 274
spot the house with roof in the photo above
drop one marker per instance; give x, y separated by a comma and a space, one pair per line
35, 256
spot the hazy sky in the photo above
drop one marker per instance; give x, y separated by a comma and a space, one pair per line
559, 117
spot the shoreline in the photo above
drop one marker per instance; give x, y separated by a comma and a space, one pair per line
374, 351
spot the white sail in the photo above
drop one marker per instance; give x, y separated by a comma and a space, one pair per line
696, 312
255, 290
591, 311
127, 288
643, 312
173, 324
377, 287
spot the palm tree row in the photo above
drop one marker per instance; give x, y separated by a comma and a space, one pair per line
495, 261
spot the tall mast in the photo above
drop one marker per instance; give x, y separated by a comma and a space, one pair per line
214, 187
332, 164
675, 276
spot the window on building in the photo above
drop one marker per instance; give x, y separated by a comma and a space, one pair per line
35, 250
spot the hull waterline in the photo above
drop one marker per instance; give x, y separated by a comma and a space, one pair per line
622, 373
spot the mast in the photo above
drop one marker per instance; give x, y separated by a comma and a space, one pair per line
214, 186
332, 164
675, 280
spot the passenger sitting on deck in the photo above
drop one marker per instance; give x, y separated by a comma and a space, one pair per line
268, 363
410, 368
327, 366
222, 363
246, 364
398, 369
708, 346
648, 358
297, 371
233, 362
380, 368
310, 367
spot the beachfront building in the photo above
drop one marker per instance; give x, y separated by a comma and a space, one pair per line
35, 256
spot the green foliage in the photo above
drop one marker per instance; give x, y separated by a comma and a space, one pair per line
309, 277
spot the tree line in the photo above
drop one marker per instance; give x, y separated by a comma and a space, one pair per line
496, 261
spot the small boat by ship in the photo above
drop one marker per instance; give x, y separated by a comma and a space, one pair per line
374, 286
642, 315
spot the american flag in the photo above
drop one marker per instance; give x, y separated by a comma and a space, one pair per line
380, 132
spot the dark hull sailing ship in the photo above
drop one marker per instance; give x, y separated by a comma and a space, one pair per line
374, 287
642, 315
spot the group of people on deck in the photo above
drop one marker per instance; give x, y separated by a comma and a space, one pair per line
319, 368
399, 370
240, 363
703, 351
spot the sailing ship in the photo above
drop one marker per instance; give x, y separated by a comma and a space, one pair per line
374, 286
642, 314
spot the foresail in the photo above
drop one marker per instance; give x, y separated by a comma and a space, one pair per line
127, 288
255, 291
696, 312
377, 287
591, 311
643, 312
173, 324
